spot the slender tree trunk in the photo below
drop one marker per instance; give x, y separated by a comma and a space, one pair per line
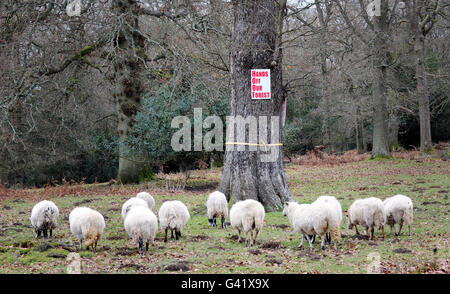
359, 131
326, 140
422, 93
359, 135
420, 26
379, 90
245, 174
393, 133
323, 30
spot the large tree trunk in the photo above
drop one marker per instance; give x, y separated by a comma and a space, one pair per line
379, 90
254, 38
129, 88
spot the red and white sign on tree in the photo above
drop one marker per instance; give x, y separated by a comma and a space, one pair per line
261, 84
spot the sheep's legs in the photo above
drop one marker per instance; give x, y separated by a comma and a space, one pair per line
409, 233
141, 245
301, 243
372, 230
252, 241
45, 234
81, 244
165, 235
382, 232
356, 229
256, 235
224, 224
328, 238
313, 238
146, 246
171, 233
322, 244
177, 234
38, 233
239, 236
310, 242
399, 228
51, 233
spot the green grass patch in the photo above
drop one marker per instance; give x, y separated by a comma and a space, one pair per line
203, 249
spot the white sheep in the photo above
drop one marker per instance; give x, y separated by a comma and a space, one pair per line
369, 213
314, 219
334, 202
336, 205
87, 224
245, 216
173, 215
132, 202
44, 216
148, 198
141, 225
217, 206
399, 210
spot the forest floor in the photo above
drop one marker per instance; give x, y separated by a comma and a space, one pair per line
203, 249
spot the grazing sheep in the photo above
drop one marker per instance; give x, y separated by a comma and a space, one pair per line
148, 198
217, 205
246, 216
337, 206
368, 213
87, 224
173, 215
141, 225
399, 210
44, 216
314, 219
132, 202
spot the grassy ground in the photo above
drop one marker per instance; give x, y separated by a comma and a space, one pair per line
203, 249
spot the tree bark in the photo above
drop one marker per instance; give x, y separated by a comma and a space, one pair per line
359, 132
323, 30
245, 175
379, 89
422, 16
129, 88
423, 95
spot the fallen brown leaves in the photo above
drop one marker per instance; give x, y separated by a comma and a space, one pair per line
317, 157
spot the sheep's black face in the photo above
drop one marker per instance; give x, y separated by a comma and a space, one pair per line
285, 208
